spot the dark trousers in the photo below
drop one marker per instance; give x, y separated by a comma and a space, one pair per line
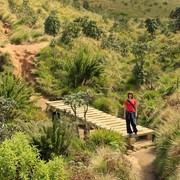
131, 121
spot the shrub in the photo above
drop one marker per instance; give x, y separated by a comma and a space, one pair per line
86, 4
18, 160
56, 169
106, 138
6, 107
90, 27
5, 62
71, 31
52, 24
76, 4
151, 95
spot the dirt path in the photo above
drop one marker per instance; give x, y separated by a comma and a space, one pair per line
142, 162
22, 58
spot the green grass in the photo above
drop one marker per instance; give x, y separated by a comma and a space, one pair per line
134, 8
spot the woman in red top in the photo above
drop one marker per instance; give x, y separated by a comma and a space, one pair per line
130, 113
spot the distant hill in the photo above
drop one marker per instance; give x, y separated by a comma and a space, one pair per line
139, 8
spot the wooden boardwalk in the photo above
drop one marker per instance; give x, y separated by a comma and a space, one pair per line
99, 119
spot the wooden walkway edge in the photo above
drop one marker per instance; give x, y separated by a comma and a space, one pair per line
100, 120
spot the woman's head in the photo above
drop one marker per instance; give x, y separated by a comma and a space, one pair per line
130, 95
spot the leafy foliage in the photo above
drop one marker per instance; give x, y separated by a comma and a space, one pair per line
151, 25
18, 160
71, 31
139, 50
175, 14
6, 107
52, 24
90, 27
86, 4
56, 169
76, 4
5, 62
117, 44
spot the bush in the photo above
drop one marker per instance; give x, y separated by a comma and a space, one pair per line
90, 27
56, 169
99, 138
5, 62
18, 160
71, 31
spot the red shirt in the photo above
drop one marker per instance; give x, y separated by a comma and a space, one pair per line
129, 107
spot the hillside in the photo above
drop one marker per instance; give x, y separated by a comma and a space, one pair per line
134, 8
51, 49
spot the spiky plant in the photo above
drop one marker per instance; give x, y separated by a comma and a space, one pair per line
16, 90
84, 68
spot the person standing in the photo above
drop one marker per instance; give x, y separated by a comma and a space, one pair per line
130, 113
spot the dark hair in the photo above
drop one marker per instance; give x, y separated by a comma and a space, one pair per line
131, 94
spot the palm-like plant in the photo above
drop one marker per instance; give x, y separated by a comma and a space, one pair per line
16, 90
83, 68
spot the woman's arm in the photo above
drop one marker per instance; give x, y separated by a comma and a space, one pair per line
136, 109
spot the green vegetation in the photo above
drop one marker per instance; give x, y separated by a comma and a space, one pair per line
102, 138
134, 46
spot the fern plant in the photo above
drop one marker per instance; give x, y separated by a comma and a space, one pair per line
54, 139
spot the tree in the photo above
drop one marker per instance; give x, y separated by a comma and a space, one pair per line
139, 50
151, 25
78, 100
